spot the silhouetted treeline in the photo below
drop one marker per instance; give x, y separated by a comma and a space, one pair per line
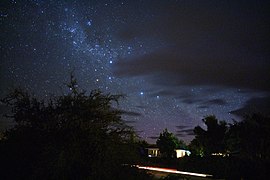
73, 136
82, 136
248, 138
228, 151
167, 142
231, 151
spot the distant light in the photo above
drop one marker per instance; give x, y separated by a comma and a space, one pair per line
110, 62
97, 80
141, 93
157, 97
110, 77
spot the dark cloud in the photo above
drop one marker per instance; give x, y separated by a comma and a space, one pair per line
214, 102
182, 127
203, 107
255, 105
186, 131
170, 68
185, 134
211, 43
127, 34
191, 100
164, 93
153, 137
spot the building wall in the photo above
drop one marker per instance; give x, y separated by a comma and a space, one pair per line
154, 152
181, 153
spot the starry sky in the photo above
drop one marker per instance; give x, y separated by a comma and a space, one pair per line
176, 61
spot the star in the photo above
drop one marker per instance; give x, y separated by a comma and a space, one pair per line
181, 64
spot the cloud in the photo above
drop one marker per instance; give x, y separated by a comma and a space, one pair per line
202, 103
215, 102
184, 131
191, 100
176, 69
210, 43
254, 105
153, 137
167, 93
182, 127
141, 107
203, 107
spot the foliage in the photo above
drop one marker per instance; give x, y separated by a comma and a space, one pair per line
73, 136
247, 143
250, 137
211, 140
230, 167
167, 143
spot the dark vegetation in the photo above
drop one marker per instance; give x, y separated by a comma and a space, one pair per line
249, 138
73, 136
82, 136
167, 143
228, 151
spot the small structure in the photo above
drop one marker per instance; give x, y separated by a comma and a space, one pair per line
154, 152
182, 152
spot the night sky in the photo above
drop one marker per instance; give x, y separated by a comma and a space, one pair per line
175, 61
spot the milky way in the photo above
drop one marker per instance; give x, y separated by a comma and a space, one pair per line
175, 61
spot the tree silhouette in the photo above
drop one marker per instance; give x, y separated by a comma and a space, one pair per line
251, 137
167, 143
73, 136
211, 140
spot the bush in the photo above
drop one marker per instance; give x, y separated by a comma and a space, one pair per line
73, 136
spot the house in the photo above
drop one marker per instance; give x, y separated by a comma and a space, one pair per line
182, 152
154, 152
